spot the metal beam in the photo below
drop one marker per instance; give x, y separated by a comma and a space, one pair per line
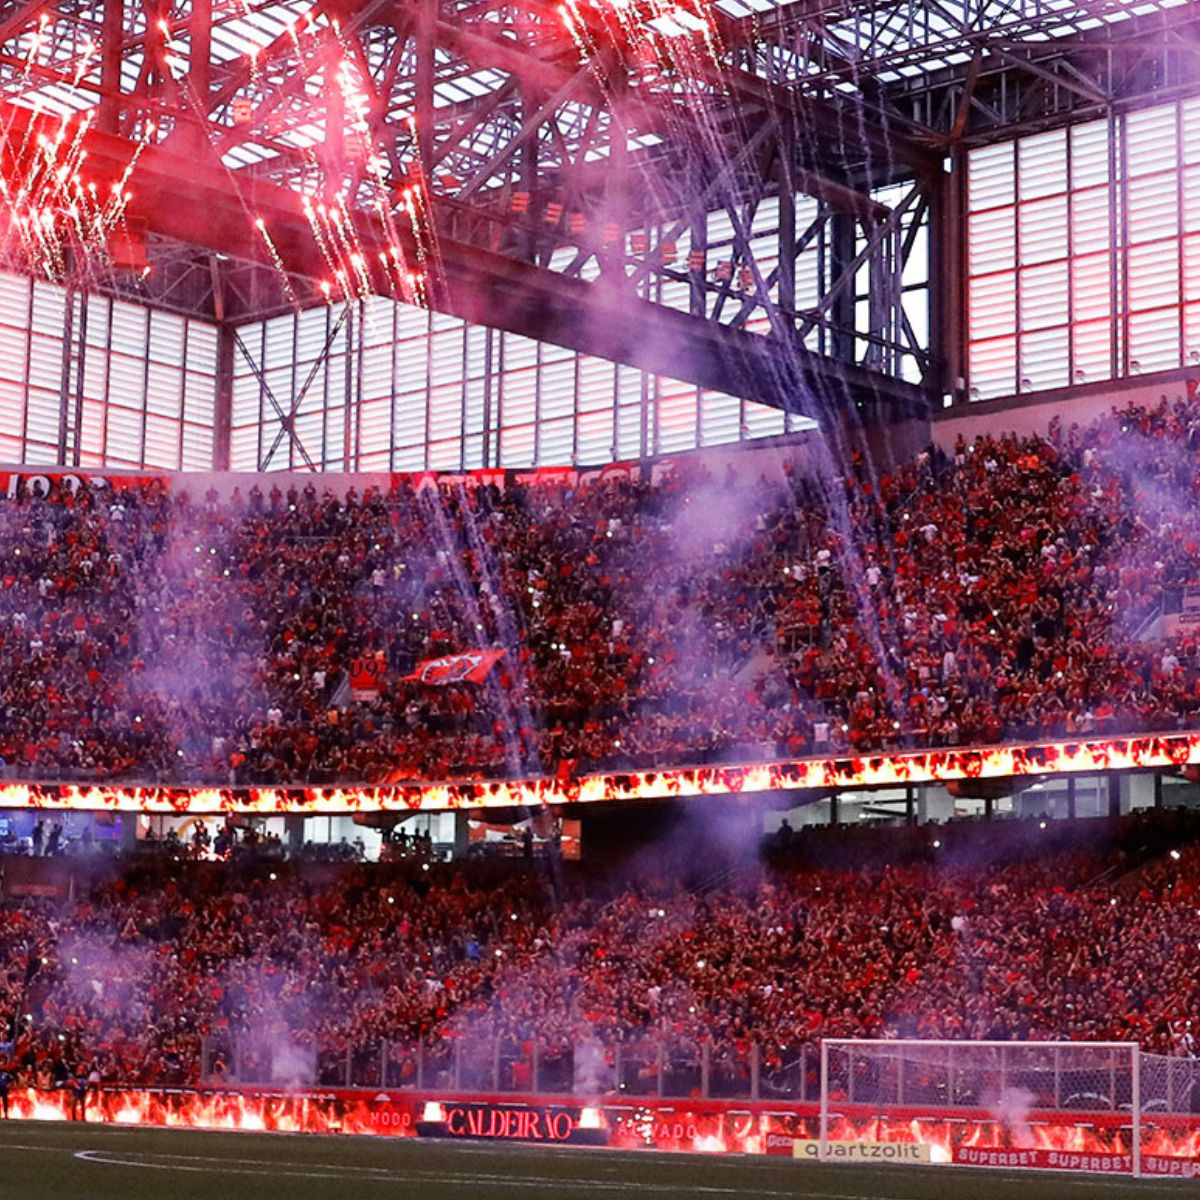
191, 202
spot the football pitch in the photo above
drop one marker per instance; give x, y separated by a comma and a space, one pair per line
42, 1161
83, 1162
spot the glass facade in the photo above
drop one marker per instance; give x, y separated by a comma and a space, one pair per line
1083, 253
94, 382
403, 389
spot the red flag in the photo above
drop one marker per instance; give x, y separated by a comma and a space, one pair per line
471, 666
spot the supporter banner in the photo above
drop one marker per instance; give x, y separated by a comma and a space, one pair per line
368, 675
15, 484
471, 666
1166, 751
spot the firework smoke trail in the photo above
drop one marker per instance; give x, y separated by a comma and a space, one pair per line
514, 753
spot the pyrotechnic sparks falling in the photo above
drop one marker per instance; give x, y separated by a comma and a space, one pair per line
57, 218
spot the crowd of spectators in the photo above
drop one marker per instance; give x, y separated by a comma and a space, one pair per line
992, 593
155, 976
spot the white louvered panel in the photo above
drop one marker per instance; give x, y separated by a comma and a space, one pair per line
477, 364
311, 429
45, 454
552, 353
411, 366
720, 418
409, 458
10, 447
199, 398
1152, 209
766, 216
1191, 334
993, 368
676, 294
126, 381
95, 374
1090, 223
992, 307
1091, 287
12, 407
49, 308
1042, 165
164, 388
243, 444
991, 241
676, 416
202, 348
720, 228
1150, 142
1153, 275
518, 351
376, 372
245, 400
594, 435
445, 412
12, 353
97, 321
808, 279
1191, 267
378, 313
516, 446
445, 455
1042, 231
14, 301
124, 434
446, 356
197, 448
555, 439
1044, 360
474, 406
378, 460
1043, 293
597, 383
990, 179
558, 389
128, 329
1089, 155
162, 443
411, 321
410, 420
41, 417
312, 330
1189, 114
629, 429
45, 361
1190, 216
764, 420
165, 344
375, 426
442, 322
1091, 351
1154, 340
518, 396
472, 452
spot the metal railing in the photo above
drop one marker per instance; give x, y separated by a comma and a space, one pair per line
669, 1069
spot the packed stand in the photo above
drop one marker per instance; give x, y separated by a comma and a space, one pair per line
998, 592
165, 977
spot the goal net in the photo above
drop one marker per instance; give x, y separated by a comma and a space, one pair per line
1066, 1106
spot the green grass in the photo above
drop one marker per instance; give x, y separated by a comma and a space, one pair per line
93, 1162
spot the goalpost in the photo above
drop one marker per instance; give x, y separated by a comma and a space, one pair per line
1049, 1105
